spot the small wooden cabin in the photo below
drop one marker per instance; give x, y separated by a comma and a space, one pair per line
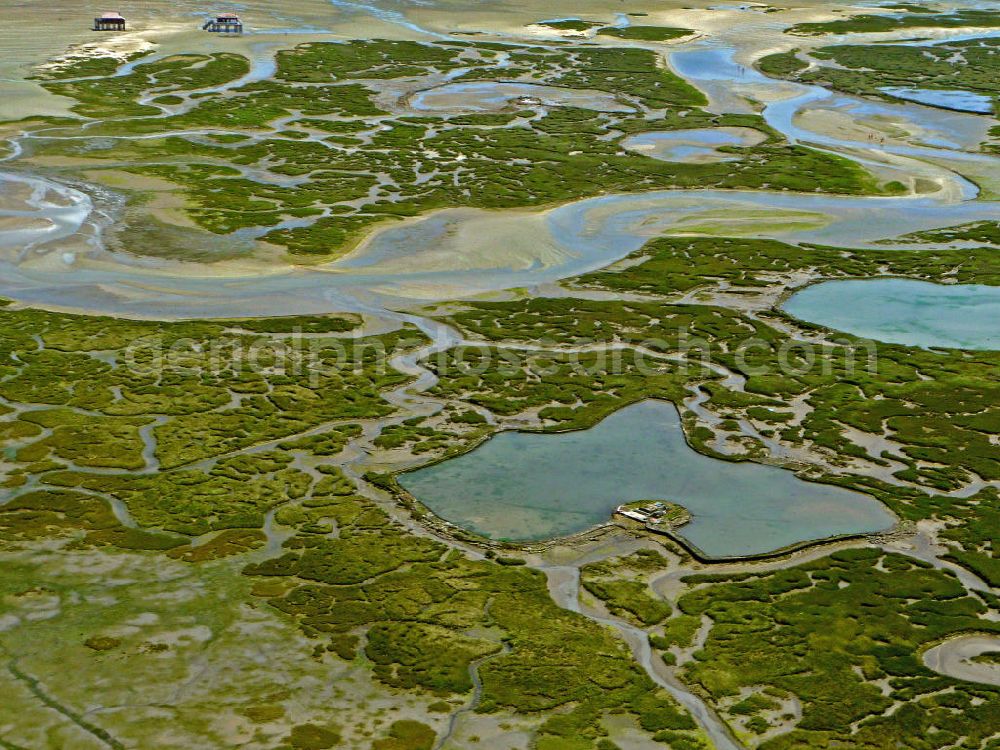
109, 22
224, 23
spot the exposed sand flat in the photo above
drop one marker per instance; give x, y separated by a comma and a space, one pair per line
986, 177
521, 18
735, 223
955, 658
903, 133
465, 239
13, 194
698, 146
10, 223
65, 29
898, 125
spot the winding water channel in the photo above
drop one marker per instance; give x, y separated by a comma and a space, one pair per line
58, 259
564, 587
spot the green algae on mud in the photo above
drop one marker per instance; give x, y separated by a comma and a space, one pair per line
209, 399
867, 23
341, 545
843, 665
343, 162
645, 33
153, 619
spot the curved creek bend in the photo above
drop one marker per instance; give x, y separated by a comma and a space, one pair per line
975, 658
564, 586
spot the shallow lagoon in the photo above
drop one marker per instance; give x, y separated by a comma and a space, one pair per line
697, 145
963, 101
902, 311
493, 96
568, 482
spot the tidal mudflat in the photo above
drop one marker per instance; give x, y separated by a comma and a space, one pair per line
524, 486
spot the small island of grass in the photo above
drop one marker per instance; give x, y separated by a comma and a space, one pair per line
992, 658
569, 24
645, 33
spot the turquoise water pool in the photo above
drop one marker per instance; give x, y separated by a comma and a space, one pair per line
529, 486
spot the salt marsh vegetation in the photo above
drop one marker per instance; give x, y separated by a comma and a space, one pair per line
211, 508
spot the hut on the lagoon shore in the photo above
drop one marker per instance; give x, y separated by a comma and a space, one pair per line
224, 23
109, 22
